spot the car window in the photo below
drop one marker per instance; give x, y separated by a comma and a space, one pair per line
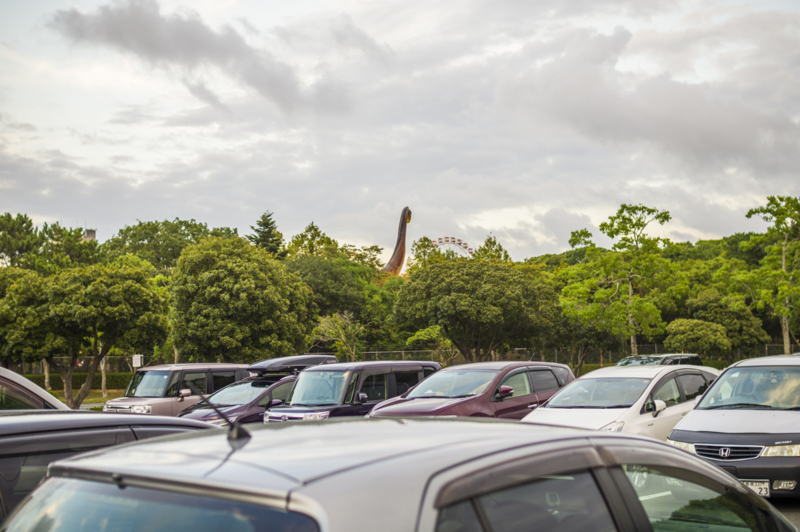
564, 503
12, 397
693, 385
375, 387
196, 382
673, 502
427, 370
20, 474
282, 391
694, 361
520, 383
710, 377
404, 380
172, 386
221, 379
543, 381
351, 389
668, 392
561, 373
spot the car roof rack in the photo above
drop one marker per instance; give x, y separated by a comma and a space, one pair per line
292, 364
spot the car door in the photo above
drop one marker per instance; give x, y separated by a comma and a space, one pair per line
404, 379
662, 424
545, 384
520, 402
375, 384
197, 382
692, 385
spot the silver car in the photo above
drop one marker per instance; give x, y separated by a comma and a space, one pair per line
394, 475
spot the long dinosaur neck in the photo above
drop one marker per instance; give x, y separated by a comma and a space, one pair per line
395, 264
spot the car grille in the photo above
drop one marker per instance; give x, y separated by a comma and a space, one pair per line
728, 452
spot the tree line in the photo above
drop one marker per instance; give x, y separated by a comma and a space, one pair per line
187, 292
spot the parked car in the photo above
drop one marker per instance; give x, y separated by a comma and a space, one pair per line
348, 388
395, 476
644, 400
19, 393
168, 389
748, 423
670, 359
486, 389
248, 399
29, 441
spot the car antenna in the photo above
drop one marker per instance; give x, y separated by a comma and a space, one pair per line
238, 436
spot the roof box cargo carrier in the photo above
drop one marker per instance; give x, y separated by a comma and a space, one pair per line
291, 364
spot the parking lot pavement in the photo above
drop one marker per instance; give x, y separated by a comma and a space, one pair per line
789, 508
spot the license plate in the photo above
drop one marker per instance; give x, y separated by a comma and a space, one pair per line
760, 487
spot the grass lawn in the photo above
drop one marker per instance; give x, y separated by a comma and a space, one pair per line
95, 396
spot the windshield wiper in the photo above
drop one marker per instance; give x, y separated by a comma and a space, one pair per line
737, 405
617, 406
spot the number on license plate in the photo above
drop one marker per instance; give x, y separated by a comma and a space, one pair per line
760, 487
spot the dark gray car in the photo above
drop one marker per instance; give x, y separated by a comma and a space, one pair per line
395, 475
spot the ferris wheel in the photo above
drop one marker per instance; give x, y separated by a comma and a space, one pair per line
455, 245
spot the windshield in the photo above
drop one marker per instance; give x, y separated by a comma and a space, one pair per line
611, 392
66, 505
638, 361
240, 393
454, 383
755, 388
147, 384
317, 388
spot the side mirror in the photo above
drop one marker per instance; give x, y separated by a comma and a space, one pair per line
503, 392
362, 398
186, 392
276, 402
660, 407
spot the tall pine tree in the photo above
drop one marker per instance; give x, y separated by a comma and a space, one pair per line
267, 236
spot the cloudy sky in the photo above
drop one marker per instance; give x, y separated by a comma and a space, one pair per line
526, 119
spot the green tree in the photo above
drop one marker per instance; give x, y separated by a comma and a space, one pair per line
344, 332
312, 241
480, 306
432, 337
8, 276
337, 285
491, 249
365, 255
620, 292
161, 243
61, 248
234, 302
266, 235
83, 313
18, 237
776, 284
381, 331
423, 251
697, 336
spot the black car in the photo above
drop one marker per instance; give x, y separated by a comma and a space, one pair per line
671, 359
248, 399
30, 440
349, 388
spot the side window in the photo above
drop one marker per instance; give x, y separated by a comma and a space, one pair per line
375, 387
282, 391
693, 385
518, 381
543, 381
351, 389
172, 384
403, 380
694, 361
196, 382
562, 374
427, 370
221, 379
14, 398
668, 392
568, 503
672, 502
710, 377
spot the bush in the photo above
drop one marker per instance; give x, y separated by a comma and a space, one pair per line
114, 381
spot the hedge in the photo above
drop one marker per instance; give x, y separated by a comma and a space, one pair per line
114, 381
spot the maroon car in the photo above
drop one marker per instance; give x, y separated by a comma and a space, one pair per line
485, 389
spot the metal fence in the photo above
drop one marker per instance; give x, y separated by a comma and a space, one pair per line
114, 364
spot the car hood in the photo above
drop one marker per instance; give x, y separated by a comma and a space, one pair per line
129, 401
417, 407
202, 413
740, 421
584, 418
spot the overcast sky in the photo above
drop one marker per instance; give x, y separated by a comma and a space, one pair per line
527, 119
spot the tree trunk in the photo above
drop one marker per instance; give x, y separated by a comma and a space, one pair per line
46, 375
787, 345
83, 392
175, 350
631, 321
65, 369
103, 378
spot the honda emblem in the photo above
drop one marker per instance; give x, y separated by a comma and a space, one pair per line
286, 418
724, 452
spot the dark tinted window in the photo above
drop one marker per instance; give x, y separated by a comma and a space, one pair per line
543, 381
459, 517
694, 361
13, 397
67, 505
693, 385
196, 382
428, 371
172, 386
375, 387
351, 389
562, 374
20, 474
404, 380
221, 379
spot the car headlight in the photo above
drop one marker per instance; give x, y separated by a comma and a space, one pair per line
781, 450
614, 427
316, 416
140, 409
682, 445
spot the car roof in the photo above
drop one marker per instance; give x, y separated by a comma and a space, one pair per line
31, 421
194, 365
501, 365
345, 366
33, 388
295, 362
777, 360
664, 355
649, 372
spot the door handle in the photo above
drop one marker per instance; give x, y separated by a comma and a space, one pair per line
533, 405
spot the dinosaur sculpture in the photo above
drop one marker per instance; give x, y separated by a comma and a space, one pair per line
395, 264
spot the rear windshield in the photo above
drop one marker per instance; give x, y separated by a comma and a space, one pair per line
240, 393
639, 361
67, 505
318, 388
454, 383
147, 384
755, 388
620, 392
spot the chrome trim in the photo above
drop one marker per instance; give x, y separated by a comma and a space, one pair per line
719, 446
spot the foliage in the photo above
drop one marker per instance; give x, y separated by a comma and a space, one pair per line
423, 251
697, 336
480, 306
575, 340
621, 292
8, 276
312, 241
492, 250
234, 302
554, 262
83, 312
365, 255
344, 332
18, 237
266, 235
161, 243
337, 284
61, 248
432, 337
380, 330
